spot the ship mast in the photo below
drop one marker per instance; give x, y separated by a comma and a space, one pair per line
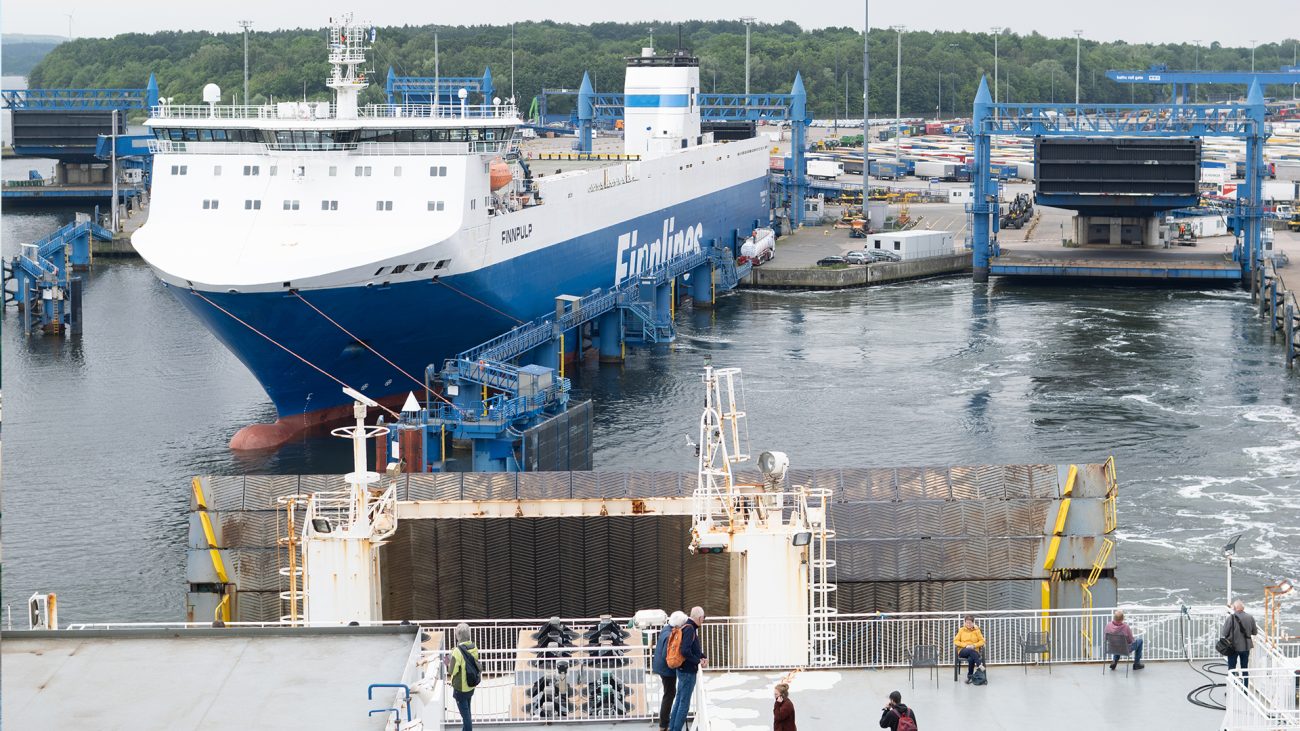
348, 44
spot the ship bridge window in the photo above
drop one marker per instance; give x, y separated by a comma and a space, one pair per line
191, 135
421, 135
205, 135
455, 135
218, 135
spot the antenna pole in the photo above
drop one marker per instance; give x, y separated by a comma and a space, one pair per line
245, 24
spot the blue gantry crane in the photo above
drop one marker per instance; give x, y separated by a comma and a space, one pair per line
1242, 121
1178, 81
47, 294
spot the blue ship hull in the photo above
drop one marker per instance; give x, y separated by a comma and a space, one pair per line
415, 324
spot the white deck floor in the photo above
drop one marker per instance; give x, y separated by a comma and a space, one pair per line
1071, 697
236, 681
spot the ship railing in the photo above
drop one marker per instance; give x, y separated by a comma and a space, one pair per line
1268, 703
439, 111
524, 683
357, 148
288, 111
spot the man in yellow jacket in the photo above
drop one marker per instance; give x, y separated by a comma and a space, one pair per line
970, 645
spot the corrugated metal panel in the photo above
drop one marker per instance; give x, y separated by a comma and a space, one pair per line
988, 482
222, 493
857, 484
964, 482
884, 483
544, 485
1042, 477
937, 485
525, 571
260, 491
256, 569
257, 606
911, 483
654, 484
247, 529
622, 571
546, 558
1016, 480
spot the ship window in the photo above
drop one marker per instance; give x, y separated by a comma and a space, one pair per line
205, 135
421, 266
473, 134
176, 135
438, 171
379, 271
456, 135
362, 170
329, 205
219, 135
191, 135
252, 170
420, 135
383, 205
438, 135
291, 205
435, 205
216, 170
252, 205
283, 136
334, 170
403, 135
210, 204
397, 171
472, 202
399, 269
274, 169
442, 264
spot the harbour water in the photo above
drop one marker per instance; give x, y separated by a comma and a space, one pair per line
1183, 387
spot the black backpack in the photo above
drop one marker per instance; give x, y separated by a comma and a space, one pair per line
980, 677
473, 676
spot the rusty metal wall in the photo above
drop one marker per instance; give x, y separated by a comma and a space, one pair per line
907, 539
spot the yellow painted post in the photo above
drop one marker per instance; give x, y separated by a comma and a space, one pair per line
1069, 481
561, 354
1046, 619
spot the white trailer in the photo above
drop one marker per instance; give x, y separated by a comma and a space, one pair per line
825, 169
917, 244
936, 169
1279, 191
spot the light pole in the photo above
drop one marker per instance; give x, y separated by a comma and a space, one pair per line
952, 85
866, 118
1228, 552
1053, 84
898, 94
1196, 88
1252, 55
245, 24
1078, 36
997, 31
747, 20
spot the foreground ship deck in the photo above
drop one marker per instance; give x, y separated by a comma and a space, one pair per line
317, 678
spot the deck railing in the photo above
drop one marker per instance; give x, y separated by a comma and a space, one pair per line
495, 147
305, 111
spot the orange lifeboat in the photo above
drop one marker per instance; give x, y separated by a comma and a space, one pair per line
499, 175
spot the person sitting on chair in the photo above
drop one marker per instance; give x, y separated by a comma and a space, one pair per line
1118, 626
970, 643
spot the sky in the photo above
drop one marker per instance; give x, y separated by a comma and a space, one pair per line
1134, 21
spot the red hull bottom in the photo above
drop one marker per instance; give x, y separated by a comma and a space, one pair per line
256, 437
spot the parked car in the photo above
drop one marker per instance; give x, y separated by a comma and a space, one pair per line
857, 257
882, 255
830, 261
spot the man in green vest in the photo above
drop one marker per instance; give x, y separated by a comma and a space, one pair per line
465, 674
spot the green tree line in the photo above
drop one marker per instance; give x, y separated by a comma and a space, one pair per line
288, 64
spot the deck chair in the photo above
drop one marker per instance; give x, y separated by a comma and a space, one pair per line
1117, 644
923, 656
1034, 643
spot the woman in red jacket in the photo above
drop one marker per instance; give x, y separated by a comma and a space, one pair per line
783, 709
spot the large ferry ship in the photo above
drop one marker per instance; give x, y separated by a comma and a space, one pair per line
348, 243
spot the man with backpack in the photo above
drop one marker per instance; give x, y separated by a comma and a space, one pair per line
897, 716
1239, 629
659, 663
686, 654
465, 674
